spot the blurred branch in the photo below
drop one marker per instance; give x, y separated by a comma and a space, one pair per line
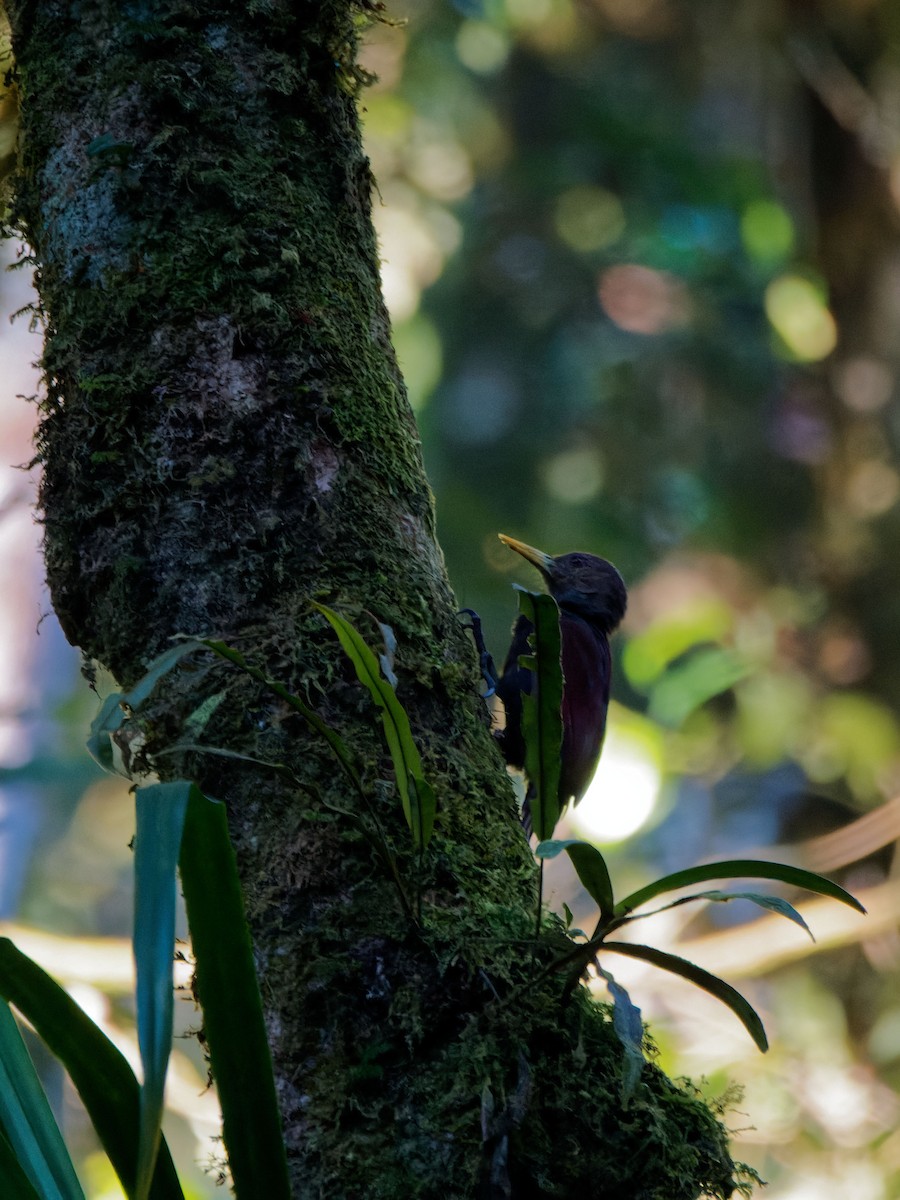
103, 962
850, 844
768, 943
842, 94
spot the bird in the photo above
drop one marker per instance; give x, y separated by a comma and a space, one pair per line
592, 599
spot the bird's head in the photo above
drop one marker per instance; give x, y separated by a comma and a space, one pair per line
579, 582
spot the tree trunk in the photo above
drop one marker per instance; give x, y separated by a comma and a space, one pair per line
225, 438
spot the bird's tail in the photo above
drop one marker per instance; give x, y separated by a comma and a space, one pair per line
526, 811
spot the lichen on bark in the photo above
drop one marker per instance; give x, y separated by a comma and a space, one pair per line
225, 437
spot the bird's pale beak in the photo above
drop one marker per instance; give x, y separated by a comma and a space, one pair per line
543, 562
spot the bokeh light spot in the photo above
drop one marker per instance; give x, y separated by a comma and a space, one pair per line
387, 117
383, 53
799, 315
864, 384
767, 231
844, 656
800, 430
641, 300
638, 18
520, 257
873, 488
589, 218
419, 353
482, 404
412, 258
884, 1039
690, 227
401, 292
525, 13
481, 47
627, 784
573, 476
441, 167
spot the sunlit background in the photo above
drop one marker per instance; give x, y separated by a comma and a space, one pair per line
643, 262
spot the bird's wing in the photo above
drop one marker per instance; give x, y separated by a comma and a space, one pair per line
513, 682
587, 668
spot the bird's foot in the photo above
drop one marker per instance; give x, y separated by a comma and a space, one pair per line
485, 661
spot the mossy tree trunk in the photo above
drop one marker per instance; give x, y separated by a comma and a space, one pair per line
225, 437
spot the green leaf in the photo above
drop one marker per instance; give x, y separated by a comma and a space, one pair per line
740, 868
629, 1029
27, 1121
312, 718
568, 918
107, 144
423, 806
703, 979
160, 811
232, 1009
202, 715
114, 710
100, 1073
107, 720
772, 903
647, 654
416, 795
542, 711
375, 834
590, 866
13, 1180
708, 671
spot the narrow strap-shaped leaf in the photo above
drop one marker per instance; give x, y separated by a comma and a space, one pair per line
629, 1029
99, 1071
232, 1009
590, 866
110, 717
13, 1180
312, 718
338, 747
423, 803
160, 666
416, 795
771, 903
113, 713
28, 1121
113, 710
703, 979
542, 711
160, 811
739, 868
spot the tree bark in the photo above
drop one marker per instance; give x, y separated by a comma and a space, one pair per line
225, 437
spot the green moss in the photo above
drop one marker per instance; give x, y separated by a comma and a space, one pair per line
239, 134
225, 437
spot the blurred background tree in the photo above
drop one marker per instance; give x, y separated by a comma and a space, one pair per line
644, 267
643, 262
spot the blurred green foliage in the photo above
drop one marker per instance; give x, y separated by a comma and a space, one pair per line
643, 261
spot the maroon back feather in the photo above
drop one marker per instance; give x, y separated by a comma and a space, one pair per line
587, 668
591, 598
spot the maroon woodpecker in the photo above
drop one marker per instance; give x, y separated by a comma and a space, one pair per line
591, 598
